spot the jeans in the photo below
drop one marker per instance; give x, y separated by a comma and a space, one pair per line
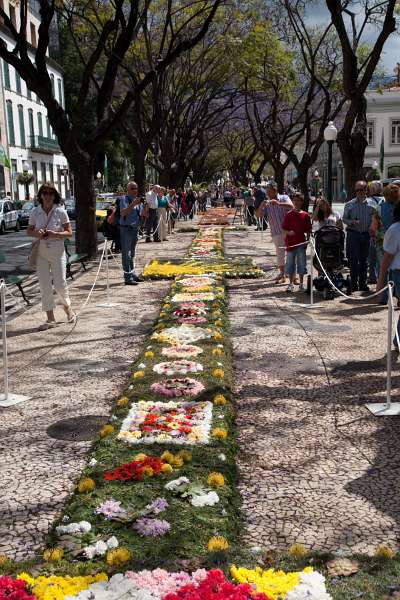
394, 275
357, 250
50, 268
383, 298
129, 238
152, 222
297, 255
372, 265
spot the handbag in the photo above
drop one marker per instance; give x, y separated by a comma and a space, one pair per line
34, 249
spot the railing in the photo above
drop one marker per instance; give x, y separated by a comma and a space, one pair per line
43, 144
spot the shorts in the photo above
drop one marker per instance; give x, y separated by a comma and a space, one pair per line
279, 244
294, 257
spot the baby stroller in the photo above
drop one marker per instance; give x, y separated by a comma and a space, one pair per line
329, 245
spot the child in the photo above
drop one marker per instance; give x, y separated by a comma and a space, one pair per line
296, 227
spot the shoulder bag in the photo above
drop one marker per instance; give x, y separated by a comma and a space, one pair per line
34, 249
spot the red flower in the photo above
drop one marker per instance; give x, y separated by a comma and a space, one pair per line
215, 587
14, 589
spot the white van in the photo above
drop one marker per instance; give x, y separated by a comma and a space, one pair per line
8, 216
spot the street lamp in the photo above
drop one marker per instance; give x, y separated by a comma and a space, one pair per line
330, 135
316, 182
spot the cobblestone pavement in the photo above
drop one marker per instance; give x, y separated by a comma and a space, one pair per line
316, 467
79, 378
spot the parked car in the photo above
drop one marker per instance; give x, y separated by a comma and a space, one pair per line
70, 208
101, 211
24, 213
8, 216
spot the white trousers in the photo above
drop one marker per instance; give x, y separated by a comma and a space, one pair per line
279, 243
162, 215
50, 267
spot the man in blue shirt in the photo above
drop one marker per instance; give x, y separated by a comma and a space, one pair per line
129, 209
357, 216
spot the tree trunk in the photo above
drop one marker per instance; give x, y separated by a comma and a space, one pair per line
139, 165
86, 231
302, 178
352, 150
279, 176
257, 174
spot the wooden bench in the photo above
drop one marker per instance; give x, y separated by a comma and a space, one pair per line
17, 280
73, 259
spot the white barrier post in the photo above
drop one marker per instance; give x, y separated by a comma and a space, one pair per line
6, 399
107, 304
388, 408
312, 255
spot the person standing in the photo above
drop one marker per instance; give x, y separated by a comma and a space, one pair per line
129, 211
357, 216
190, 202
162, 214
276, 208
249, 207
152, 221
259, 197
296, 227
49, 223
375, 190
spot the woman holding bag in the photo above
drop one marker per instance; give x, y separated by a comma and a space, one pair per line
49, 224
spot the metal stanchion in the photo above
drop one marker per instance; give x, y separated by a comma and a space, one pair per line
388, 408
312, 255
6, 399
107, 304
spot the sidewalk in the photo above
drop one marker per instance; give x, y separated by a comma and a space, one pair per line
316, 467
77, 380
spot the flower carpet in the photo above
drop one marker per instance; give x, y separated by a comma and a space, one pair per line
158, 497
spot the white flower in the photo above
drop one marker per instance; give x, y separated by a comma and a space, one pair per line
100, 547
112, 542
175, 483
141, 366
220, 364
118, 587
311, 587
65, 518
85, 526
220, 345
92, 462
74, 528
208, 499
222, 457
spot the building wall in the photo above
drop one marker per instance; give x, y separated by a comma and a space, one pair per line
30, 138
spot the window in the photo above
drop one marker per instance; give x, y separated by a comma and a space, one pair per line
21, 125
394, 171
33, 35
396, 131
13, 16
43, 170
10, 123
28, 93
51, 172
31, 125
18, 82
60, 93
48, 127
371, 133
52, 84
35, 175
40, 124
6, 70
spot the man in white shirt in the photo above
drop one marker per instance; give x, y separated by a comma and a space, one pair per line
152, 206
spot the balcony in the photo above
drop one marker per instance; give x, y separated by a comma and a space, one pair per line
40, 143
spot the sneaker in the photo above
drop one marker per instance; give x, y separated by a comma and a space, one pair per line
290, 288
302, 287
47, 325
363, 287
131, 282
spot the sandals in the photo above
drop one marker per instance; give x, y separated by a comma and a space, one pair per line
47, 325
70, 314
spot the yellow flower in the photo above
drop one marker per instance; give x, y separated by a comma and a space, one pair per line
167, 469
218, 335
216, 479
140, 456
216, 313
274, 584
86, 485
53, 554
167, 306
56, 588
167, 456
177, 462
4, 560
219, 433
217, 543
148, 471
123, 401
185, 455
297, 550
149, 354
162, 314
219, 373
106, 430
138, 374
384, 552
217, 352
219, 400
118, 556
218, 323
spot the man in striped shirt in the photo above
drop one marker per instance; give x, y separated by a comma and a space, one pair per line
275, 208
357, 216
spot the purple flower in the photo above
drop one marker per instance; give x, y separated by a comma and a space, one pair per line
158, 506
110, 509
151, 527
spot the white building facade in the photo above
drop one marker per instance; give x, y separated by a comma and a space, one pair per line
31, 142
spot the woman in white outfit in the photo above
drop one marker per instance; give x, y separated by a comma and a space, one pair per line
50, 224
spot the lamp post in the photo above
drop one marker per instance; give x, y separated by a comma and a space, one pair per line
330, 135
98, 177
316, 182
